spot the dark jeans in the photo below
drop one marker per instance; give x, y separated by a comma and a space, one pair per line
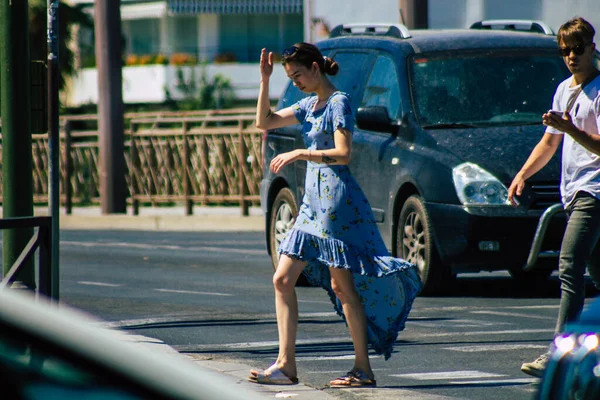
579, 249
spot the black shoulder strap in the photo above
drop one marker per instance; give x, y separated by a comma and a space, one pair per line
576, 93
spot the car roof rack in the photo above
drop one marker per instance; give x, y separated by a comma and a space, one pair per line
526, 25
394, 30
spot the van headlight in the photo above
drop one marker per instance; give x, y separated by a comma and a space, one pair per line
475, 186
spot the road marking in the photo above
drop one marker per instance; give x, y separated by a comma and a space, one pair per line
316, 314
508, 314
322, 358
147, 246
314, 301
343, 371
470, 308
495, 381
193, 292
253, 345
507, 332
534, 307
434, 376
495, 347
457, 323
99, 284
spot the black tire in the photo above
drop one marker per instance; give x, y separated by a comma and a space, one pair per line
414, 243
283, 215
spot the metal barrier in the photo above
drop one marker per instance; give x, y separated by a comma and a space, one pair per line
204, 156
538, 238
42, 241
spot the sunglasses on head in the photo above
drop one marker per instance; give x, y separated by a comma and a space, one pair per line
290, 51
578, 50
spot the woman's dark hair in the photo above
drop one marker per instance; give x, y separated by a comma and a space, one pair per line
306, 54
577, 29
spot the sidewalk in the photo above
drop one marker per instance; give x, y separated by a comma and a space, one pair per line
216, 219
174, 219
236, 374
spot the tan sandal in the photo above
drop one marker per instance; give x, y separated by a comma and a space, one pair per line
272, 376
353, 379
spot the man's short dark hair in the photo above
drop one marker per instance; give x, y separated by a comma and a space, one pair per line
576, 29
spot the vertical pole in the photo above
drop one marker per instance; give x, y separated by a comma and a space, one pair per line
187, 171
241, 161
68, 170
113, 191
414, 13
17, 161
53, 143
134, 170
306, 20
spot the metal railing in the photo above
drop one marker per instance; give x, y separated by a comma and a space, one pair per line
41, 241
210, 157
540, 233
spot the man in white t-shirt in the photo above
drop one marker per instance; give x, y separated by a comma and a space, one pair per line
577, 126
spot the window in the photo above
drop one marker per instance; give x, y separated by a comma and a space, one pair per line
186, 35
354, 66
383, 87
144, 36
485, 88
242, 36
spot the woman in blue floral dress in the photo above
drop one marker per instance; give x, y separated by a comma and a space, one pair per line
334, 241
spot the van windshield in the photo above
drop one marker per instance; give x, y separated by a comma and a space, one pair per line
483, 89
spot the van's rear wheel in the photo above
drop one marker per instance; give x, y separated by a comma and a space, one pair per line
415, 244
283, 216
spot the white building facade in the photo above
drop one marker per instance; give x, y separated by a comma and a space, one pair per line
225, 36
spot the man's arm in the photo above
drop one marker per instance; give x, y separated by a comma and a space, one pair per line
539, 157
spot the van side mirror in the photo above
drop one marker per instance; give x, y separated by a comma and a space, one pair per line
375, 118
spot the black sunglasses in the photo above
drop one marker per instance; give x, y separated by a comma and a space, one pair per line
290, 51
578, 50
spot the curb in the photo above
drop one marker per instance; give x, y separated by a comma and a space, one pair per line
204, 219
196, 223
235, 373
239, 372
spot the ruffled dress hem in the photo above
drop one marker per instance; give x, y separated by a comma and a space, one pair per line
333, 253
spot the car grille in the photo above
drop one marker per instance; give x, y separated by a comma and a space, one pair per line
545, 195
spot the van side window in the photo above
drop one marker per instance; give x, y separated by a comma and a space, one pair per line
354, 67
383, 87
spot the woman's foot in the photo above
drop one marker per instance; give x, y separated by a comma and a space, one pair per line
354, 379
274, 375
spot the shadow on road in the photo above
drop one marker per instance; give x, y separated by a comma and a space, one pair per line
475, 286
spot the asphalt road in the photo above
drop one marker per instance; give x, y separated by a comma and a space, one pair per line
209, 295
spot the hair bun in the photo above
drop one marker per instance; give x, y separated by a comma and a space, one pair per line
330, 66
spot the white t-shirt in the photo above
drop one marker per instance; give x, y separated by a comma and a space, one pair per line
580, 167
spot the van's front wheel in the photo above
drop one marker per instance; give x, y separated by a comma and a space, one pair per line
414, 243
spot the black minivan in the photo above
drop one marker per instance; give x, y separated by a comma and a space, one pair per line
444, 121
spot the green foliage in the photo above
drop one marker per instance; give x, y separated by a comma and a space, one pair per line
204, 93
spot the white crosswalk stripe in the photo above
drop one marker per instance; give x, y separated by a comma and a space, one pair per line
431, 376
495, 347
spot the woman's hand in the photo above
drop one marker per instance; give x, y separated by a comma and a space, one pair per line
266, 64
283, 159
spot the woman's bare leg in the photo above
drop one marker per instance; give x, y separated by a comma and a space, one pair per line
343, 286
286, 306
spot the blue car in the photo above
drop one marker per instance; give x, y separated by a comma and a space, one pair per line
573, 371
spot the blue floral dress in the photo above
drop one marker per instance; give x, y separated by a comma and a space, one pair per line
335, 228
